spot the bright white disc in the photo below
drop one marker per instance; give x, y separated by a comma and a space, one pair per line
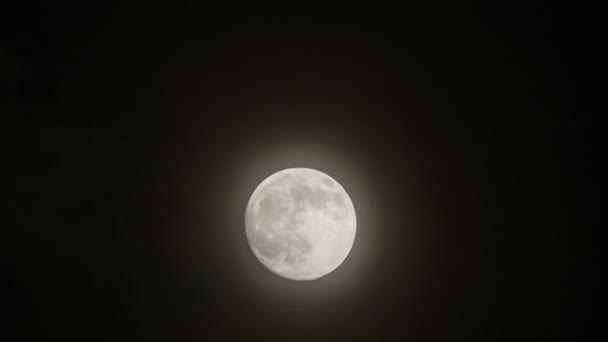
300, 223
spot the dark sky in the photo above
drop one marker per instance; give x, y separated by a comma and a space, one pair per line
135, 132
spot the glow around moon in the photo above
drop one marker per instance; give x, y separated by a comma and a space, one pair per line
300, 223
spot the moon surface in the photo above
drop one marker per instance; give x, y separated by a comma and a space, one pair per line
300, 223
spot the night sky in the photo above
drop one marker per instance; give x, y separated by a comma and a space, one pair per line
134, 134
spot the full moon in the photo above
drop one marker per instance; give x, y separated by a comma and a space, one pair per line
300, 223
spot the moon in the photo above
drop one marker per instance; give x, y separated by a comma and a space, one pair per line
300, 223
